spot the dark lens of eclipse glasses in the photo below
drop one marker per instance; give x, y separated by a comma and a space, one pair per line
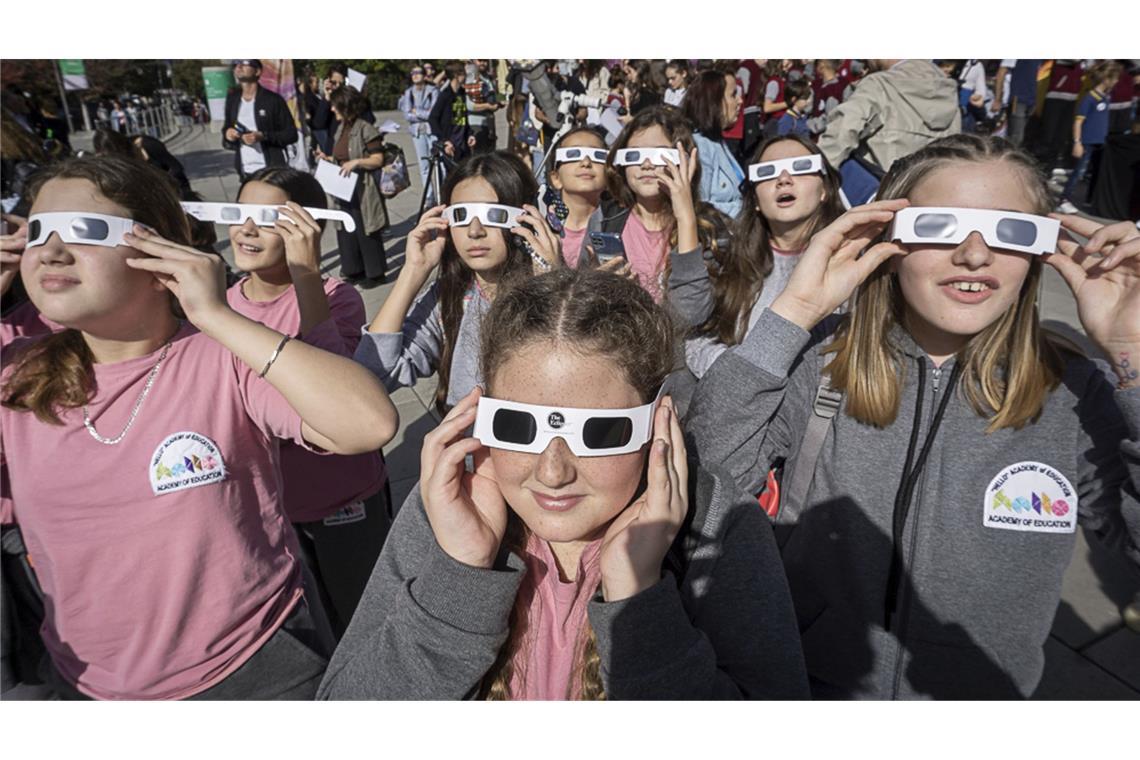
86, 228
607, 432
513, 426
1017, 231
935, 226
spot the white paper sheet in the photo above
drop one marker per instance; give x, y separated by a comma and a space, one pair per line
389, 126
328, 174
356, 79
612, 124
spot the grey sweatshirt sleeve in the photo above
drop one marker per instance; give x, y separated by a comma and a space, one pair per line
739, 418
739, 642
690, 291
427, 627
399, 359
1109, 465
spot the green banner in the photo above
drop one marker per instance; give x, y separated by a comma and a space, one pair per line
218, 80
74, 75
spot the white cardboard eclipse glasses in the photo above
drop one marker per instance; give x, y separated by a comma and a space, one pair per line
766, 170
566, 155
1009, 230
656, 156
78, 227
488, 214
261, 214
529, 428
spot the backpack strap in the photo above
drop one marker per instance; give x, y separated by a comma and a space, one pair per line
827, 402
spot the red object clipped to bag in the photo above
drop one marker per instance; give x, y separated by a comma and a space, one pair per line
769, 498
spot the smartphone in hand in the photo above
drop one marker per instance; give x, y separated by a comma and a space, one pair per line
607, 246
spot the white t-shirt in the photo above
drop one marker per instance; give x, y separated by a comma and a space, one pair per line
252, 156
973, 77
674, 97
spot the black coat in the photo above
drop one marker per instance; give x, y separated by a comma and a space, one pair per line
273, 121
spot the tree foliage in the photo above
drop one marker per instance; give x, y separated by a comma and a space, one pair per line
387, 77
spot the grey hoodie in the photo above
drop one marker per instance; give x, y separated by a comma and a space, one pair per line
980, 570
429, 627
892, 114
399, 359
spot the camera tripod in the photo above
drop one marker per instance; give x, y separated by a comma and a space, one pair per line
435, 176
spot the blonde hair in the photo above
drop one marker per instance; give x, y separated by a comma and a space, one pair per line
1007, 370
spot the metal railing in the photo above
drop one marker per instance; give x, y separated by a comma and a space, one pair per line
161, 121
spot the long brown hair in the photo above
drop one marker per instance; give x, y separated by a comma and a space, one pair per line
56, 372
601, 315
711, 224
514, 185
738, 276
1008, 369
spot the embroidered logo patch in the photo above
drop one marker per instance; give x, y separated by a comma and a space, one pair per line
352, 513
185, 460
1030, 496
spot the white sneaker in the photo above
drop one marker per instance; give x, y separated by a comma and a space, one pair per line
1066, 207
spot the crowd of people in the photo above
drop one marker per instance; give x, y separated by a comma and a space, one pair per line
742, 387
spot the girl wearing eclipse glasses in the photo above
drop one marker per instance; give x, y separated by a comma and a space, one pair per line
140, 448
485, 235
582, 557
939, 448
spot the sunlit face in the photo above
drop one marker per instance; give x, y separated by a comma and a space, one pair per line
789, 199
244, 72
417, 76
582, 177
559, 496
482, 249
258, 249
931, 276
676, 77
644, 180
731, 100
88, 287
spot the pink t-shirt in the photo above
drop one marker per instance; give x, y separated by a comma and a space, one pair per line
572, 245
646, 252
556, 615
317, 486
166, 560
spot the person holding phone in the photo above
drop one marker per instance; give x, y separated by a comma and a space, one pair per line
654, 176
593, 565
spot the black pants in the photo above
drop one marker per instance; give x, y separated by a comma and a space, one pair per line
1117, 191
288, 666
753, 132
341, 555
361, 255
1055, 141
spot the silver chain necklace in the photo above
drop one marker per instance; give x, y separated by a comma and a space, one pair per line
134, 412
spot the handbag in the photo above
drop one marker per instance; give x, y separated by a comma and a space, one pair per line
392, 178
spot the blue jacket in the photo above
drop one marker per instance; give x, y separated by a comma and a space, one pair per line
721, 176
417, 107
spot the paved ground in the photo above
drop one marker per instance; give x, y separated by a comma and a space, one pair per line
1090, 654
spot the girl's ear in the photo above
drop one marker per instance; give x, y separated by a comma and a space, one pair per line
555, 180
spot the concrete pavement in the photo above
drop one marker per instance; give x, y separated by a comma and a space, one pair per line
1090, 654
